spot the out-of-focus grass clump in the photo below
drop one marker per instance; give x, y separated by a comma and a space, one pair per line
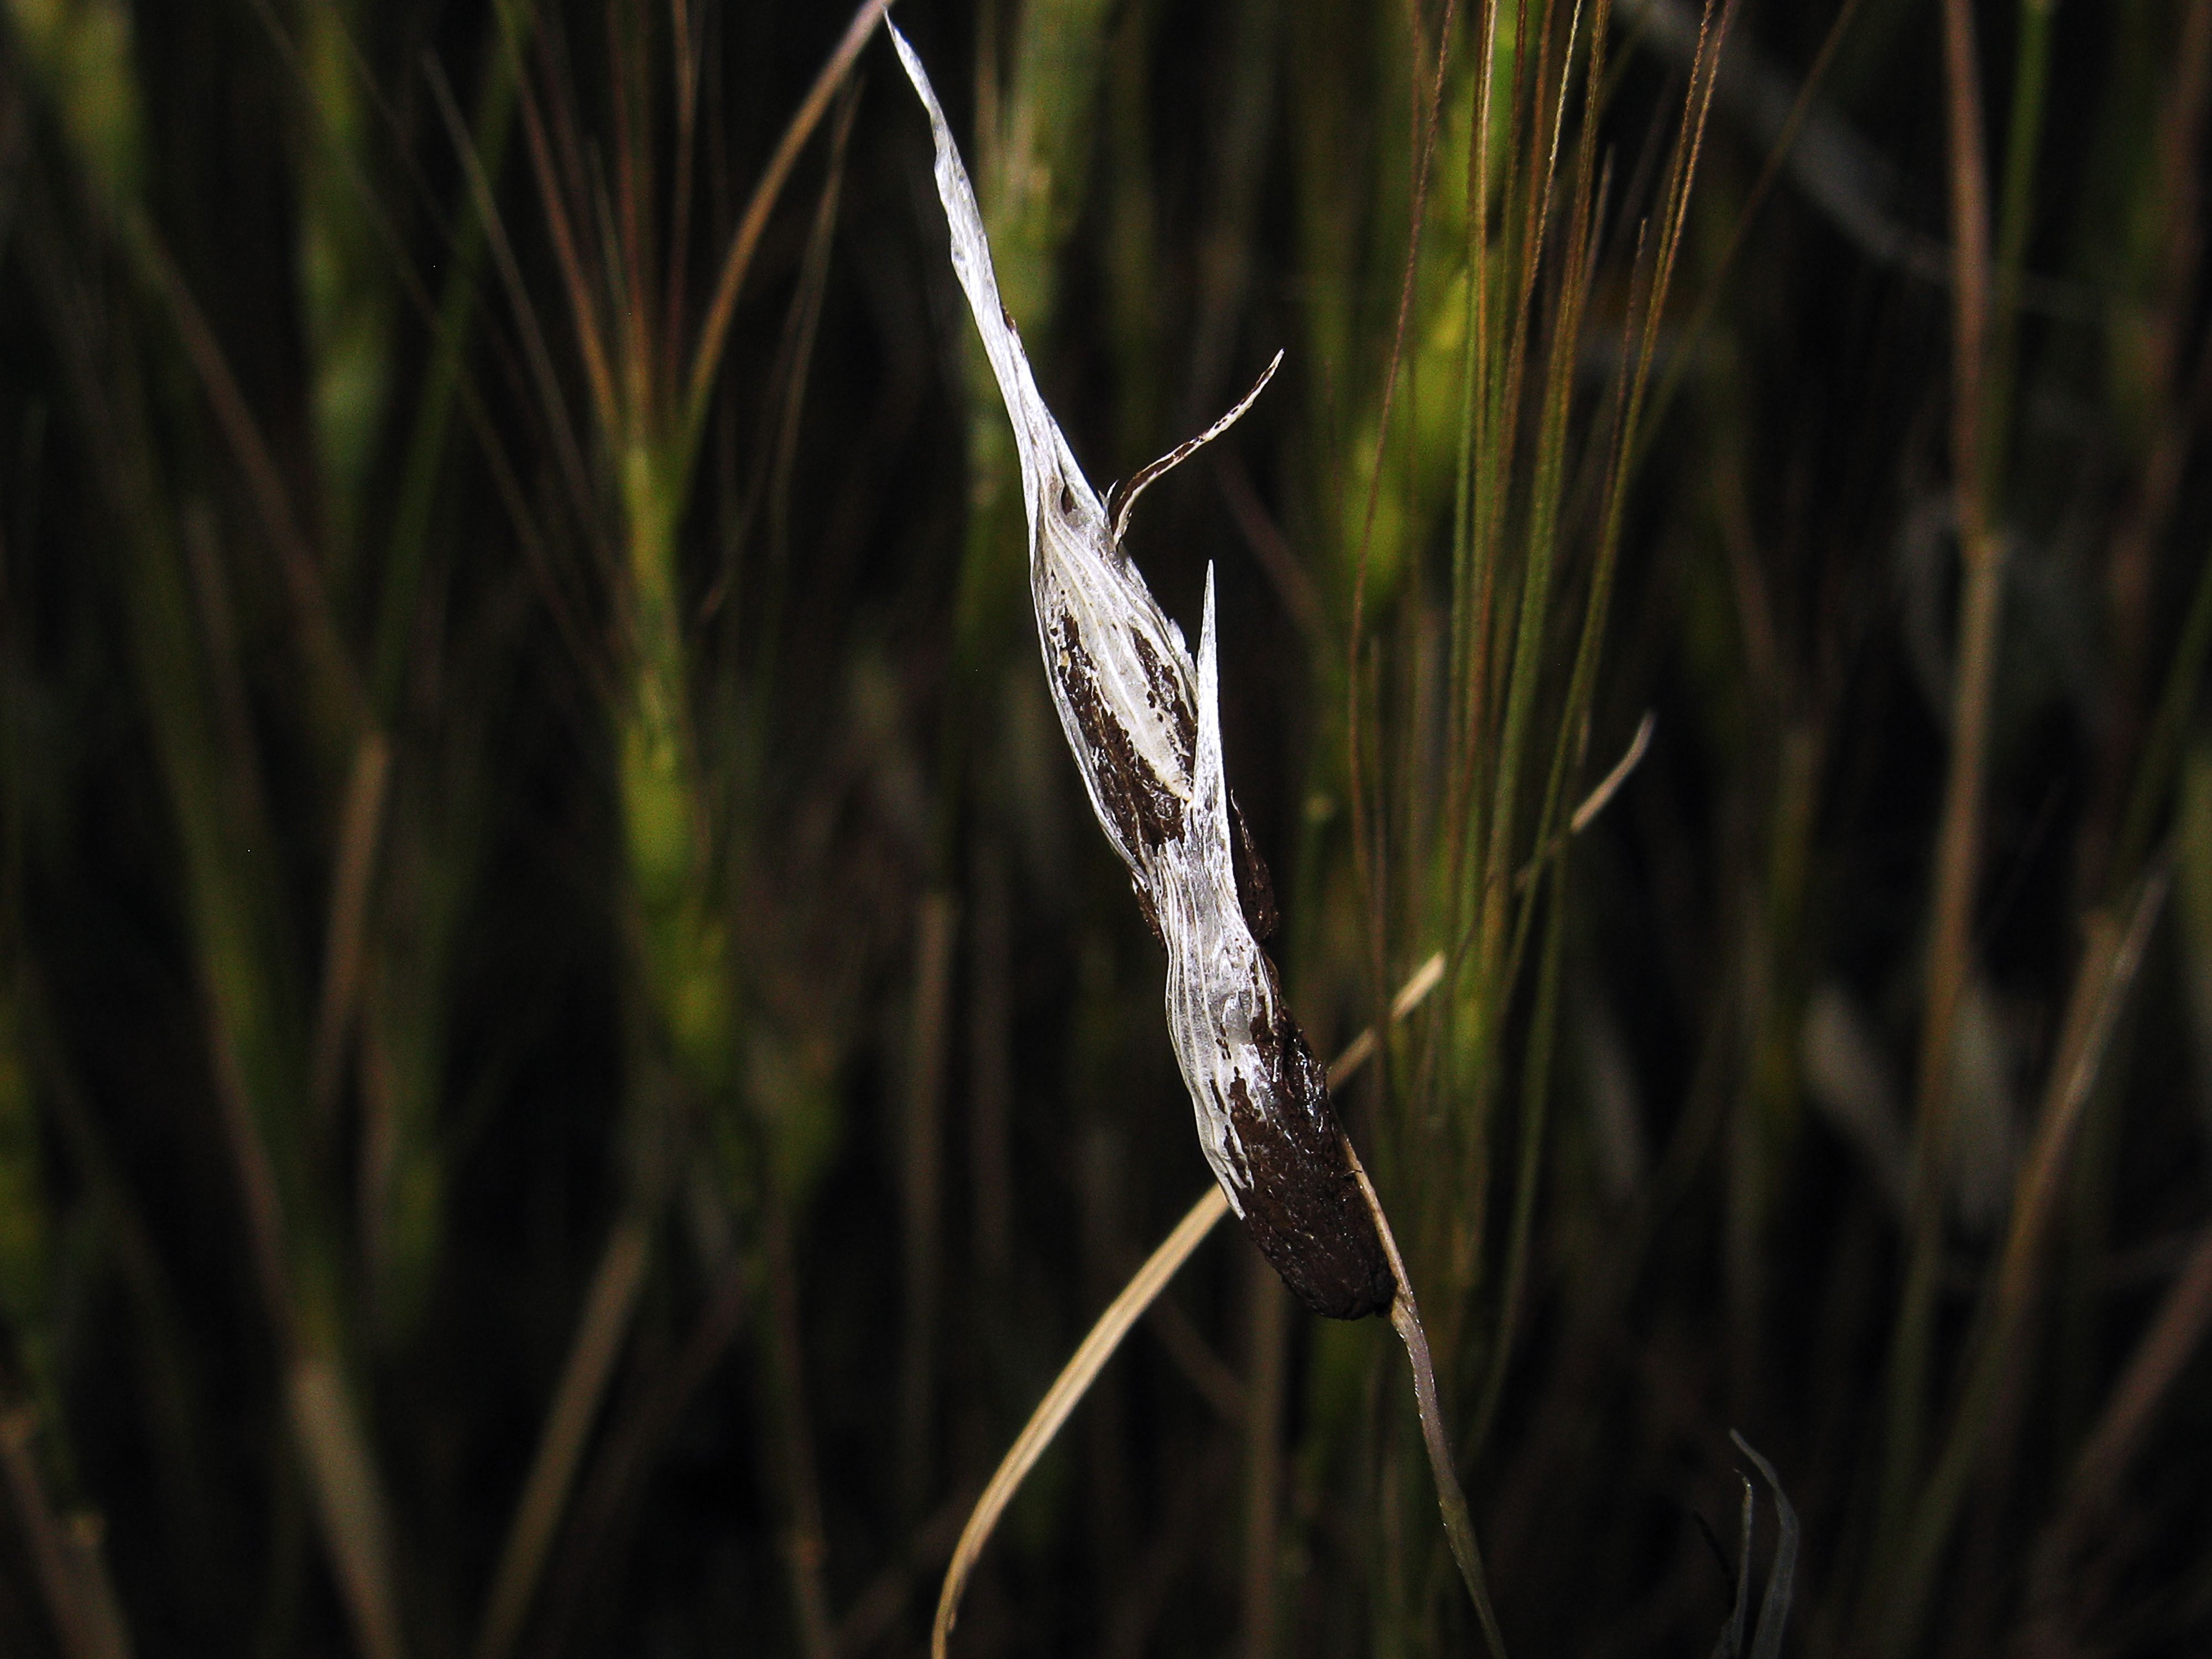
571, 1064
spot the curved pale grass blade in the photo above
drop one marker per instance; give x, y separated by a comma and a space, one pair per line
1105, 1336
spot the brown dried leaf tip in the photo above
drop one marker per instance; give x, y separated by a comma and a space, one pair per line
1143, 724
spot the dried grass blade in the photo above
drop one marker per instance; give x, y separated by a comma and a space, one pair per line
2178, 1326
922, 1196
1595, 801
349, 1500
553, 406
1362, 1048
561, 1442
708, 358
88, 1619
1105, 1336
2088, 1500
2102, 988
1067, 1392
1182, 451
1960, 835
360, 823
336, 682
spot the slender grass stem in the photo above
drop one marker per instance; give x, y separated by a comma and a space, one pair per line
1536, 1093
349, 1502
713, 333
2183, 693
71, 1574
568, 1420
1458, 1525
1959, 841
2147, 1381
1366, 856
805, 1543
1266, 1337
362, 821
921, 1160
443, 385
2108, 974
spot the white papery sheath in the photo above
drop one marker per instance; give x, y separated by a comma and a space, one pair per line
1144, 725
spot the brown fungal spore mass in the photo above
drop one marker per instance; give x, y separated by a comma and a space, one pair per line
1143, 813
1165, 697
1255, 888
1261, 1100
1303, 1206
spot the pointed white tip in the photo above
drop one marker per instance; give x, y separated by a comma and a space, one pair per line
913, 69
1209, 791
1206, 647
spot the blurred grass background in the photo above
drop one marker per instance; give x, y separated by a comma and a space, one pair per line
571, 1063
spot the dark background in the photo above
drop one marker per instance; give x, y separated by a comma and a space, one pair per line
401, 1057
